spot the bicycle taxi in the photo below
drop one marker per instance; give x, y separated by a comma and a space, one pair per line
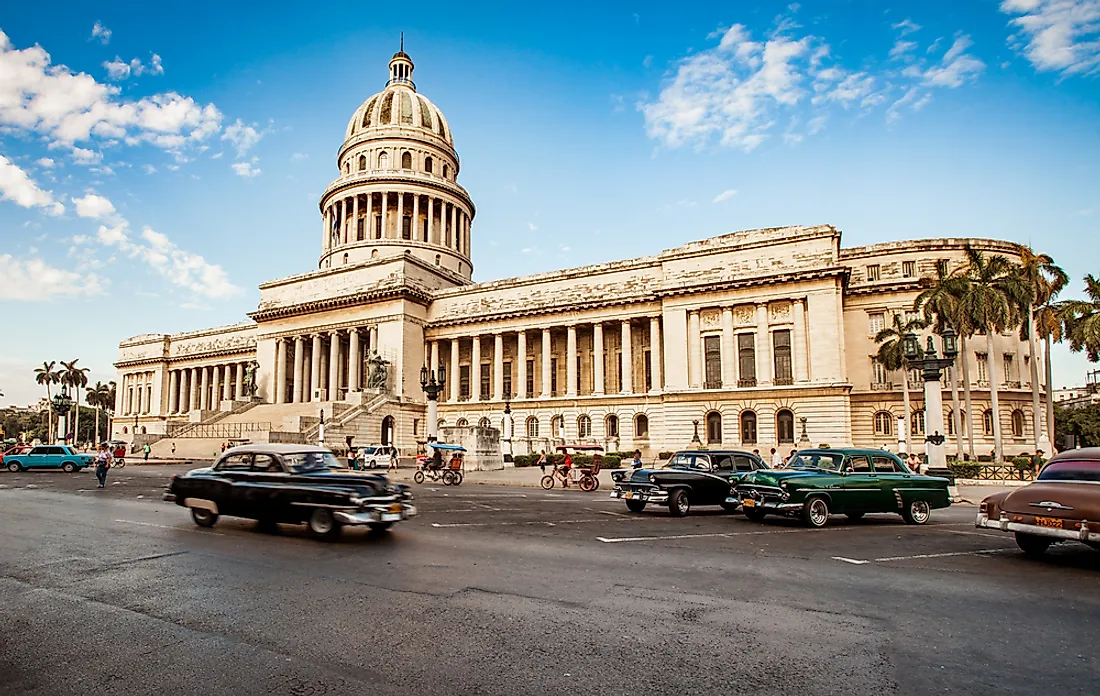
584, 477
443, 462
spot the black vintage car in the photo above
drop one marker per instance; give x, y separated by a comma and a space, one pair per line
295, 484
691, 477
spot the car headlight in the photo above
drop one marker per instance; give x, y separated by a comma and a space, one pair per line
652, 478
783, 485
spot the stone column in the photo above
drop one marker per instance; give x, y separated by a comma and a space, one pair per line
695, 367
314, 366
173, 390
498, 367
798, 338
729, 353
454, 229
238, 387
475, 369
597, 359
546, 363
571, 375
385, 206
627, 360
333, 365
455, 347
521, 367
433, 226
299, 366
415, 232
763, 346
215, 388
400, 233
355, 360
654, 354
368, 224
433, 359
193, 401
278, 379
355, 219
204, 397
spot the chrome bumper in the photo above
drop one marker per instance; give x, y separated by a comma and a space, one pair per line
655, 495
1003, 524
765, 504
394, 512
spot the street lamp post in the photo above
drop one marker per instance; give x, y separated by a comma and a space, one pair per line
506, 436
61, 405
321, 429
433, 382
932, 368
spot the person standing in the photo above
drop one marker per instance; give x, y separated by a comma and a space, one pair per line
393, 460
102, 464
353, 459
636, 462
173, 449
541, 463
777, 459
145, 450
913, 462
1037, 462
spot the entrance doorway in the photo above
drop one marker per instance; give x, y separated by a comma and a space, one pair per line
387, 430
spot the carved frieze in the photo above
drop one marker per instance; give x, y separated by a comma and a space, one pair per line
710, 319
744, 315
213, 345
779, 312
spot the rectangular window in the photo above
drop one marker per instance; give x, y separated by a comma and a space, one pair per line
908, 269
618, 371
360, 229
507, 383
873, 273
746, 360
578, 367
941, 266
781, 341
530, 386
983, 371
876, 321
406, 227
377, 226
712, 360
416, 426
648, 356
464, 383
1010, 367
553, 376
486, 375
880, 376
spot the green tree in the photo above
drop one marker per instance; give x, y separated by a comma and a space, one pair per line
1042, 280
77, 378
1082, 423
98, 397
891, 353
1082, 319
939, 303
47, 375
991, 304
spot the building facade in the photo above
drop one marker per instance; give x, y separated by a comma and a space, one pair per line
755, 339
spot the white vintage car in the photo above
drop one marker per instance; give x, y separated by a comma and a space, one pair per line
375, 456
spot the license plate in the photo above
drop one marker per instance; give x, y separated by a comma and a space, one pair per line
1052, 522
396, 507
748, 502
391, 517
628, 495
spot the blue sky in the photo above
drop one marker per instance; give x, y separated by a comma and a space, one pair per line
159, 161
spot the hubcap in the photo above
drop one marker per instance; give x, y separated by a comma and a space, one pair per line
682, 504
321, 524
818, 512
920, 511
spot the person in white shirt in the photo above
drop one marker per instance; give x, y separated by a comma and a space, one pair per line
777, 459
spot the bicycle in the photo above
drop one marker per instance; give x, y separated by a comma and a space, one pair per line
582, 477
449, 477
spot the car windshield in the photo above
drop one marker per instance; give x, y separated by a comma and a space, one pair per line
367, 451
299, 462
1070, 470
816, 460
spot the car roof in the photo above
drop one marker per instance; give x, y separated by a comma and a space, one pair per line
847, 451
1089, 453
714, 451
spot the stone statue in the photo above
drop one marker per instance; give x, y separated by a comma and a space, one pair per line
376, 378
249, 382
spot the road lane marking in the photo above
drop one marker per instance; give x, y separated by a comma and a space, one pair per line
165, 526
608, 512
545, 523
976, 552
618, 540
853, 561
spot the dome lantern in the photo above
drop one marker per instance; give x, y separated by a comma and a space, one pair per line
401, 67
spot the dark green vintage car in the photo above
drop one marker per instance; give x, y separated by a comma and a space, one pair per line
853, 482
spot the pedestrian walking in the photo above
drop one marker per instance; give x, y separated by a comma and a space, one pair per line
173, 449
777, 459
393, 460
146, 449
913, 462
1037, 463
542, 461
102, 464
353, 459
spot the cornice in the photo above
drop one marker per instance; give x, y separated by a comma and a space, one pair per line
417, 295
169, 360
397, 177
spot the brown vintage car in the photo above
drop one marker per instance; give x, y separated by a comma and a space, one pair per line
1063, 504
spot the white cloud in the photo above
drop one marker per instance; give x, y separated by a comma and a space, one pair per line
17, 187
101, 32
32, 280
532, 226
906, 26
148, 169
45, 163
243, 137
956, 68
299, 156
725, 195
902, 49
119, 69
94, 206
245, 169
68, 107
82, 156
1057, 35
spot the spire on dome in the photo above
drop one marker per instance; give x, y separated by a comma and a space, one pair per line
401, 67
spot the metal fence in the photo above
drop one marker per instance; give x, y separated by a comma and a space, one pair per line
215, 430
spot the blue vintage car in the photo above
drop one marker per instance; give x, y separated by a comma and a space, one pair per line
49, 457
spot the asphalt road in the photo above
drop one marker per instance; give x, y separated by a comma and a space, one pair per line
495, 590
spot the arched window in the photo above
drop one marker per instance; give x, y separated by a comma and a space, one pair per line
406, 160
611, 425
125, 430
437, 259
557, 425
714, 427
484, 423
462, 423
347, 167
143, 431
916, 422
641, 426
884, 423
445, 169
987, 422
584, 426
345, 259
374, 253
951, 422
748, 428
383, 161
428, 165
784, 426
532, 426
362, 163
1017, 423
442, 423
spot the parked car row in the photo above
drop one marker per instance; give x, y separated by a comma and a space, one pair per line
46, 457
815, 484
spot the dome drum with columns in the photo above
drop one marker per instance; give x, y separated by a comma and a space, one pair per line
398, 191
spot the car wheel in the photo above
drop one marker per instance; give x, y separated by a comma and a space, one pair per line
323, 525
14, 467
916, 512
418, 477
678, 503
68, 467
815, 512
756, 514
380, 526
854, 516
547, 482
1032, 545
635, 505
731, 507
203, 517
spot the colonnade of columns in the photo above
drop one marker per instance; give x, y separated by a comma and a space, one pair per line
401, 214
774, 350
204, 387
322, 366
136, 393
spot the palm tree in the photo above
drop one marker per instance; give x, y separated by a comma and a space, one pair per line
940, 306
992, 302
1043, 280
891, 353
1083, 321
75, 377
48, 375
97, 397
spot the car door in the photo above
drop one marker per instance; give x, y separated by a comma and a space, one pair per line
233, 498
893, 476
725, 474
265, 495
35, 457
861, 487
